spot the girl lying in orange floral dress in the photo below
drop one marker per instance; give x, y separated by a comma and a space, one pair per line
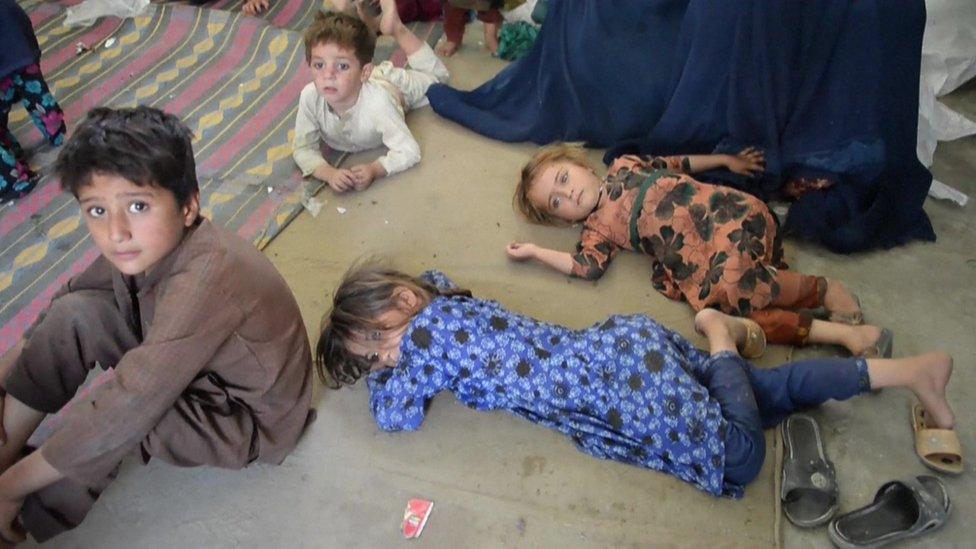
712, 246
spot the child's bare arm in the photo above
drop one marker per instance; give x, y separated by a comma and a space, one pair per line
25, 477
749, 162
560, 261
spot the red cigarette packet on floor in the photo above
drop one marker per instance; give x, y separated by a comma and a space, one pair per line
415, 517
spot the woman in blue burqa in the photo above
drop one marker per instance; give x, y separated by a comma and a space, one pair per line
828, 88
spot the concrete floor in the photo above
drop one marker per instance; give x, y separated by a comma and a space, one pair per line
500, 481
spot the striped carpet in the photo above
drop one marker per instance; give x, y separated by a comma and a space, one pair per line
233, 79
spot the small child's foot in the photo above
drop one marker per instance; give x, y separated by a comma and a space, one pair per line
931, 375
744, 334
491, 37
389, 18
862, 340
842, 304
447, 48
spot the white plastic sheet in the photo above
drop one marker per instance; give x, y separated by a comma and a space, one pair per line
87, 12
948, 61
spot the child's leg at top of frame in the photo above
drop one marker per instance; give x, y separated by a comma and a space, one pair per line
492, 20
37, 99
455, 20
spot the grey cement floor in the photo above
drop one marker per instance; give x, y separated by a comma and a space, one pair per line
498, 481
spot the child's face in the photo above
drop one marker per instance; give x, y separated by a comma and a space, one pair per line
565, 191
338, 75
134, 227
381, 348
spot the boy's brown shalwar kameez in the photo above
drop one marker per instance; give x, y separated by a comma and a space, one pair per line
211, 367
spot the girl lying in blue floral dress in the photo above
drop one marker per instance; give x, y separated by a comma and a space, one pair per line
626, 389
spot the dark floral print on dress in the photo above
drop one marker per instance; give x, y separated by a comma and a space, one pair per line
727, 206
623, 389
680, 195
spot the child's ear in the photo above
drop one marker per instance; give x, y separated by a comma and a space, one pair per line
367, 71
406, 299
191, 210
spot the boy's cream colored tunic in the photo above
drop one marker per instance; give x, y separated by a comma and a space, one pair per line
376, 119
219, 373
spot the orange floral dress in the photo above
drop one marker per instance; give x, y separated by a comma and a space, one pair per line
711, 246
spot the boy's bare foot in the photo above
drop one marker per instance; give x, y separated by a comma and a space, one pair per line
931, 373
447, 48
840, 301
491, 37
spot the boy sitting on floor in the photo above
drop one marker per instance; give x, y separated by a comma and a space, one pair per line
210, 356
353, 106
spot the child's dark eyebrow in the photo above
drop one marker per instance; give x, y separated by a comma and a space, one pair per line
134, 194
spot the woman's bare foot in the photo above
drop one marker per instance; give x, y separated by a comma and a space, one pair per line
447, 48
841, 302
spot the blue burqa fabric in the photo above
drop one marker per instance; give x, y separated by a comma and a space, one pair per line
826, 88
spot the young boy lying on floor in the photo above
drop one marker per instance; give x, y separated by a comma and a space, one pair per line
210, 356
354, 106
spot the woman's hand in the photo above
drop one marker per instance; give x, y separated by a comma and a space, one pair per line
750, 162
521, 251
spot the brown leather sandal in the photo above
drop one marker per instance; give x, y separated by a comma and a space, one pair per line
755, 343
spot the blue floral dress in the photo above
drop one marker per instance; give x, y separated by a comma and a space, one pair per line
624, 389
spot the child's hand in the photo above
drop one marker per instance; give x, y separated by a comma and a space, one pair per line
521, 251
341, 180
10, 531
363, 176
750, 162
254, 7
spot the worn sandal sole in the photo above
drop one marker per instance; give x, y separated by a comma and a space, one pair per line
938, 449
899, 511
807, 501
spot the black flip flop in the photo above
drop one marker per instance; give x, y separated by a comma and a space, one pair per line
901, 509
809, 490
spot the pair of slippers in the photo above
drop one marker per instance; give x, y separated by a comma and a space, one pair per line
901, 509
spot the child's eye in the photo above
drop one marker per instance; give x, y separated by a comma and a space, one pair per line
563, 177
95, 211
318, 65
342, 66
138, 207
555, 203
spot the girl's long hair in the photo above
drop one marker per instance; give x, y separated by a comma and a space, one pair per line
366, 292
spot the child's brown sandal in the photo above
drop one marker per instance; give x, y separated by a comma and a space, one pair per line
755, 344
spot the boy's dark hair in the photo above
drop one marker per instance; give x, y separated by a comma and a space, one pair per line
366, 292
330, 27
144, 145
